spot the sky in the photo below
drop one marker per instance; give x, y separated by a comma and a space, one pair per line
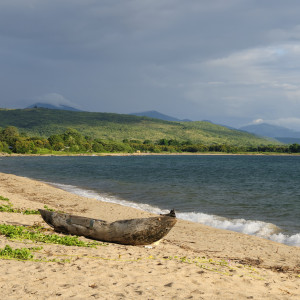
233, 62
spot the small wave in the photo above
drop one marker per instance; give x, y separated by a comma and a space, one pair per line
293, 240
258, 228
251, 227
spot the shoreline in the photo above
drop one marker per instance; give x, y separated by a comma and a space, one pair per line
149, 154
233, 265
282, 237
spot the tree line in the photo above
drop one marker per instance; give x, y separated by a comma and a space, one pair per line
71, 141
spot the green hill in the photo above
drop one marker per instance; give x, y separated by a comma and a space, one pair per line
45, 122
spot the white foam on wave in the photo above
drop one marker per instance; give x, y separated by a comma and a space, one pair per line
252, 227
292, 240
258, 228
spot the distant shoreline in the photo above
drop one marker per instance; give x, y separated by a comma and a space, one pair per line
150, 154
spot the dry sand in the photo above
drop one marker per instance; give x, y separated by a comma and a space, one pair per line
192, 262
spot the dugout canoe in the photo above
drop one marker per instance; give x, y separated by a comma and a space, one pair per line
142, 231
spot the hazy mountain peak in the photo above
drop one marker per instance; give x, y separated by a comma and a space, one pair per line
280, 133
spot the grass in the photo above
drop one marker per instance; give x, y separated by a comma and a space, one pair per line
36, 234
20, 254
25, 254
9, 208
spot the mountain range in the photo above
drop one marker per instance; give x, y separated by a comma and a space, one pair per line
279, 133
42, 122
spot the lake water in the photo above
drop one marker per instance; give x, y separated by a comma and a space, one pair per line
258, 195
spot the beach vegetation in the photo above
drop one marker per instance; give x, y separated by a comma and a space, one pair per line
21, 254
8, 207
37, 234
50, 209
25, 254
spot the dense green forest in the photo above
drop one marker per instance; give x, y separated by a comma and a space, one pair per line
42, 122
71, 141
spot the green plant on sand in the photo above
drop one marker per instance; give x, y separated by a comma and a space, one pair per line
21, 254
26, 254
35, 233
9, 208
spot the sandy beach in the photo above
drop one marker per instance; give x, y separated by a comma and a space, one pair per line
192, 262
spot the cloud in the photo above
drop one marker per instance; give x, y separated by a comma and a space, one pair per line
227, 61
258, 121
259, 82
282, 34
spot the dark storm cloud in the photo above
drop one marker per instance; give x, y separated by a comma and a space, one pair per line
230, 61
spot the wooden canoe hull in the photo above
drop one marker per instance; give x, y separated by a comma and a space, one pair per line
128, 232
